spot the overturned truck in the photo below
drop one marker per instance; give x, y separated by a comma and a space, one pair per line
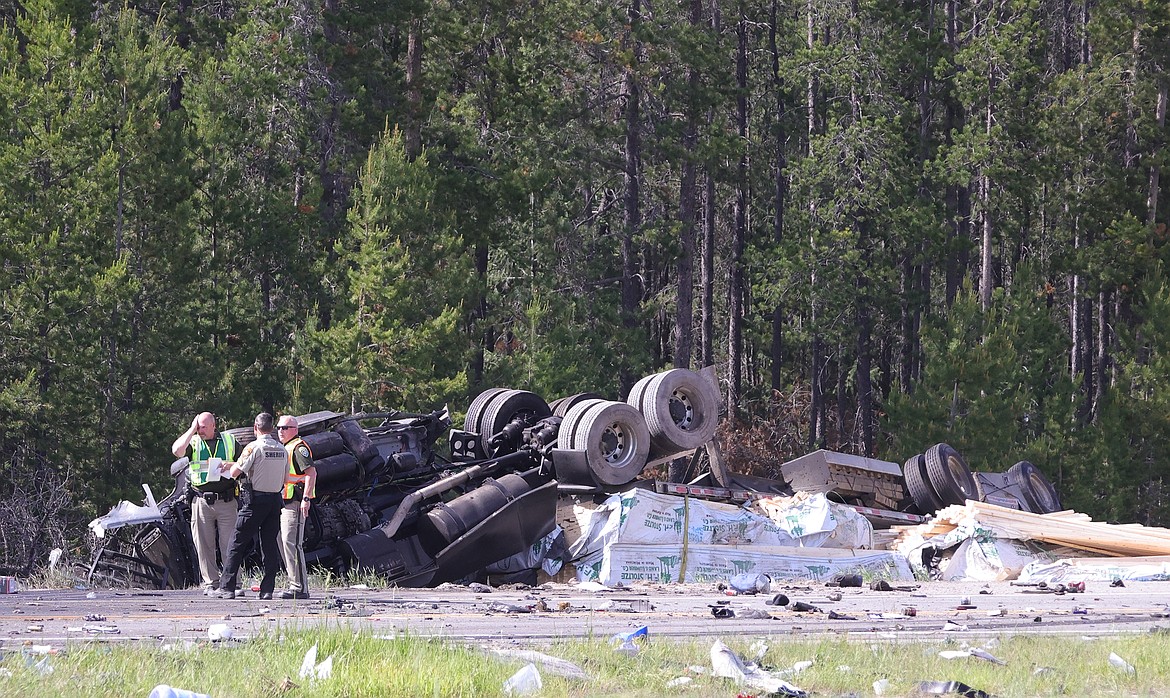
389, 503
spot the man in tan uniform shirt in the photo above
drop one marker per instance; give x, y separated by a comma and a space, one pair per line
262, 468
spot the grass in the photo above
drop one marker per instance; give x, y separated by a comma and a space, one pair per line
365, 665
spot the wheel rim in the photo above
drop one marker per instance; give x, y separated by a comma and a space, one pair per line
1041, 490
682, 410
961, 475
615, 447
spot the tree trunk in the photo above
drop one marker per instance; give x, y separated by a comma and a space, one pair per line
632, 217
684, 317
1155, 169
412, 132
780, 193
707, 270
736, 280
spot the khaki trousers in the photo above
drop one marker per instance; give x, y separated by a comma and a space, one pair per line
292, 539
210, 522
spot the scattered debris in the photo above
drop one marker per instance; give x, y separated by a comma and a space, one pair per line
523, 682
311, 670
727, 664
751, 583
945, 687
219, 631
164, 691
551, 664
977, 652
1120, 664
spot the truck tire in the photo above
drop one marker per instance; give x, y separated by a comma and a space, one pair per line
510, 405
1038, 492
639, 389
560, 407
615, 440
569, 422
477, 407
925, 498
681, 410
949, 475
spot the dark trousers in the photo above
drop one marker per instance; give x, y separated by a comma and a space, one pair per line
260, 514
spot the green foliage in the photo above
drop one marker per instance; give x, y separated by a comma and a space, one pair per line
401, 346
994, 387
1124, 474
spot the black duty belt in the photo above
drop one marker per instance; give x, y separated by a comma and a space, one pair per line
213, 497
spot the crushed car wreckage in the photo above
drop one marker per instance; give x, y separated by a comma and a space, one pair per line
389, 503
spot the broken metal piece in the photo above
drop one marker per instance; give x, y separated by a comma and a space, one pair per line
946, 687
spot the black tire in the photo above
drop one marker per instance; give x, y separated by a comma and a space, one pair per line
513, 404
1038, 492
477, 408
639, 389
925, 498
616, 442
562, 406
569, 423
949, 475
681, 409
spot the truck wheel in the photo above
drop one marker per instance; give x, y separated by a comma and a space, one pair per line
948, 473
639, 389
511, 405
616, 441
477, 407
681, 410
569, 423
1037, 490
925, 498
561, 407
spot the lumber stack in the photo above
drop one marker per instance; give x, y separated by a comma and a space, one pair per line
874, 482
1067, 528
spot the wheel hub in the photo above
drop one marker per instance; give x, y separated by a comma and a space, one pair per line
613, 444
682, 411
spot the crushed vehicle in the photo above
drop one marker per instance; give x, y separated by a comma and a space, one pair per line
392, 502
388, 502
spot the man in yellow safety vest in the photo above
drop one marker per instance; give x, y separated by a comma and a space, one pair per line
300, 485
213, 497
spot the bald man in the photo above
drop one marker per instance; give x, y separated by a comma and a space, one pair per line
214, 506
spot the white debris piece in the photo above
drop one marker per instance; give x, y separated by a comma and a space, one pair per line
727, 664
126, 513
1120, 664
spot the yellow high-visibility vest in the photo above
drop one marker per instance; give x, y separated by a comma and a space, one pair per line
200, 468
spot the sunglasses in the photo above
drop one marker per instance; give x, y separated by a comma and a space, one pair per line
285, 428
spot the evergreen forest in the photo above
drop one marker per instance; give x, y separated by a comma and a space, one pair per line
886, 223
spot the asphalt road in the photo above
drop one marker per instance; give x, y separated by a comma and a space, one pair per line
535, 615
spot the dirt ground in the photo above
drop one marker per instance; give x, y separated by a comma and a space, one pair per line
536, 614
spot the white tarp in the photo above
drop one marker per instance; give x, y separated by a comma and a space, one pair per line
980, 559
978, 554
1098, 569
639, 535
667, 564
808, 510
643, 517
